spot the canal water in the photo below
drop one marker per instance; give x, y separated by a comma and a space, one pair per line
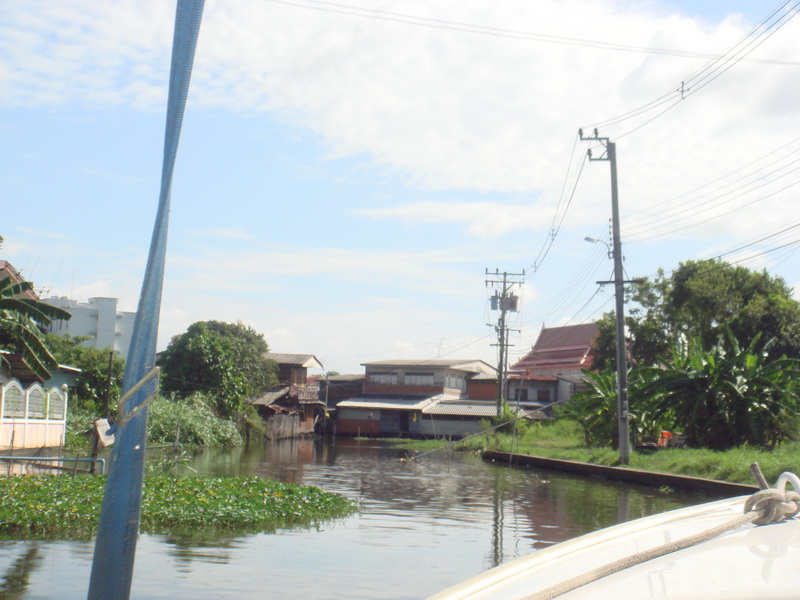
423, 526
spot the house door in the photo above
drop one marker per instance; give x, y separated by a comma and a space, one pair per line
404, 422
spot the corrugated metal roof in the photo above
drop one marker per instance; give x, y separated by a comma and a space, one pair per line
484, 377
269, 397
470, 365
387, 402
340, 378
462, 408
303, 360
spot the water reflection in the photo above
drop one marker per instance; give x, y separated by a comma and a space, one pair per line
423, 526
17, 575
525, 509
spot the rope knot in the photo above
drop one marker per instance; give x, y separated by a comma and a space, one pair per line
775, 504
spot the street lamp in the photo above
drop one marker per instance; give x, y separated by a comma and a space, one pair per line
594, 240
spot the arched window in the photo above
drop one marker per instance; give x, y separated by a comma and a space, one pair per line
36, 403
14, 402
56, 405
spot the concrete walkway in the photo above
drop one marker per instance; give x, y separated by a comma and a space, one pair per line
649, 478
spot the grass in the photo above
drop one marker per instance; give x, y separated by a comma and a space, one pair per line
64, 507
563, 439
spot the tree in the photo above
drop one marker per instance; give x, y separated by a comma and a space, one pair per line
727, 396
22, 318
701, 301
224, 359
595, 409
91, 384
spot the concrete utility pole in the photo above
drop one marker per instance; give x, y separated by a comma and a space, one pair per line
504, 302
619, 295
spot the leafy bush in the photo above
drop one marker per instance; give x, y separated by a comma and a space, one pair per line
79, 423
226, 359
92, 382
189, 421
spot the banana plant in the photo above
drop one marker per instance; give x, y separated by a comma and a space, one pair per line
21, 320
726, 396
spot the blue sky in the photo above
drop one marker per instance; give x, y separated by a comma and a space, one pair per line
348, 171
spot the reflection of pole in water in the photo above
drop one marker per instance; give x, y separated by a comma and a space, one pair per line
16, 579
497, 526
623, 505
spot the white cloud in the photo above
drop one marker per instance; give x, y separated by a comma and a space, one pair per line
449, 108
252, 267
493, 114
481, 219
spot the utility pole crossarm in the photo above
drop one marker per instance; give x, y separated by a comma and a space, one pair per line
503, 302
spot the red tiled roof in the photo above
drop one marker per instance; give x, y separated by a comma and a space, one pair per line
8, 270
569, 346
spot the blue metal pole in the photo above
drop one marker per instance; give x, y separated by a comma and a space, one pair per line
118, 529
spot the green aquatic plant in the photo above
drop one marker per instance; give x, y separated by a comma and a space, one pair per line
63, 507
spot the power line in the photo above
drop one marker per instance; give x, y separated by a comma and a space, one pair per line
556, 223
747, 204
709, 72
763, 239
464, 27
692, 196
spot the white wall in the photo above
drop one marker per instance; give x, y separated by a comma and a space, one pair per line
98, 319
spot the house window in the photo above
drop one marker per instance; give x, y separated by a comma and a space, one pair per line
521, 395
36, 402
57, 405
419, 379
454, 381
543, 396
383, 378
14, 403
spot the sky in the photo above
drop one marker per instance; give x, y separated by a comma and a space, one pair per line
349, 171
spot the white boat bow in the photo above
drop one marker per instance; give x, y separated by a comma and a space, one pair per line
753, 562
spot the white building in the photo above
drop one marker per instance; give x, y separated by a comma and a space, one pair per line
98, 319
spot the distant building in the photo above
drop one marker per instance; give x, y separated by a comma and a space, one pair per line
33, 412
425, 398
335, 388
552, 372
293, 408
99, 320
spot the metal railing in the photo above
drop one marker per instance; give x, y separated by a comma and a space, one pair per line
101, 462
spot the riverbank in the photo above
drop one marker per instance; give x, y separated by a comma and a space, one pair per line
562, 440
626, 475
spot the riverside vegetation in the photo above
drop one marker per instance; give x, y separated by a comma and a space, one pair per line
169, 503
564, 439
66, 507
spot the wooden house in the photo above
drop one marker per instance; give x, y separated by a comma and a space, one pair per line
293, 408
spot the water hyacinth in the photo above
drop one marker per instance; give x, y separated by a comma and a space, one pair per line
61, 507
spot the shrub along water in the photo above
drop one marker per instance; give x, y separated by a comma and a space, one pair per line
189, 421
64, 507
